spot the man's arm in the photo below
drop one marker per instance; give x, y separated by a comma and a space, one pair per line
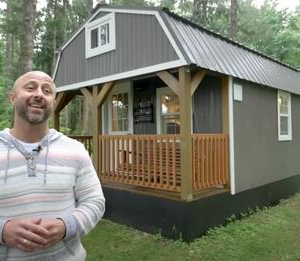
2, 222
90, 201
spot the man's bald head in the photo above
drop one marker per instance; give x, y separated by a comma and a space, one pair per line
33, 98
33, 74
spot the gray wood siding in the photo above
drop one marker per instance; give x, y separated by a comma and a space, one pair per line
259, 157
207, 110
140, 42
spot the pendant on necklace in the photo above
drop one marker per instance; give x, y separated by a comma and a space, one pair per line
31, 166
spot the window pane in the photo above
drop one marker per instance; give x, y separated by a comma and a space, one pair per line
284, 125
126, 125
169, 103
104, 34
283, 104
171, 124
120, 112
114, 107
125, 98
94, 38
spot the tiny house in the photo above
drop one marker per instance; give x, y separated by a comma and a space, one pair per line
189, 127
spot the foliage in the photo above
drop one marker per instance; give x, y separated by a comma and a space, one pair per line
61, 20
130, 2
10, 26
5, 108
266, 235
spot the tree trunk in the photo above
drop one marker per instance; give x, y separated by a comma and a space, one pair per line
9, 47
89, 7
64, 20
200, 7
27, 36
85, 120
233, 20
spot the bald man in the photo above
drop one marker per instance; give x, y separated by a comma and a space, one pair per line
50, 194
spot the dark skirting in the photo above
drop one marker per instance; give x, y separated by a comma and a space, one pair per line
189, 220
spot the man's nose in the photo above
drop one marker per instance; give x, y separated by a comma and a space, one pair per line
38, 92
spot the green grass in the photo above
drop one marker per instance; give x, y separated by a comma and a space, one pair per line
268, 235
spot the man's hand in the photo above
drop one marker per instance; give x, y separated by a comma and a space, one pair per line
25, 234
56, 229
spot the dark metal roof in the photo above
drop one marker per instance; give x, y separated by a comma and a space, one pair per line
214, 52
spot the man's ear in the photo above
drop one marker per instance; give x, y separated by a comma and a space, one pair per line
11, 97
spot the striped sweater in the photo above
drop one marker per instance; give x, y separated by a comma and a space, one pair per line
56, 181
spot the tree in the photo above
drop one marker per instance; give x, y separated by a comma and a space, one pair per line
200, 10
89, 7
9, 44
61, 20
27, 36
10, 30
233, 19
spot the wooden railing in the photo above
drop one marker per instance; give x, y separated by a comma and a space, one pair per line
143, 160
86, 140
154, 160
210, 160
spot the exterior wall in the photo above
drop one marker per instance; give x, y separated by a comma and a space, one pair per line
207, 111
140, 42
259, 157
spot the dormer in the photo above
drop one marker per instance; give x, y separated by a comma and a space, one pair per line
100, 35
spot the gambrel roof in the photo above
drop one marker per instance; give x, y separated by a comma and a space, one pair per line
163, 41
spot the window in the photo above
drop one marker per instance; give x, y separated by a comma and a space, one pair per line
168, 117
120, 110
284, 116
100, 36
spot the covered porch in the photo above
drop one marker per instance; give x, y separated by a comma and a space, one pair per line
183, 166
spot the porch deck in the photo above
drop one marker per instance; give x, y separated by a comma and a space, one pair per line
150, 164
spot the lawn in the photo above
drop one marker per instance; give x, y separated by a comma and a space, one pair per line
268, 234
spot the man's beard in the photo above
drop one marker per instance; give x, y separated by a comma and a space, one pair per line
32, 118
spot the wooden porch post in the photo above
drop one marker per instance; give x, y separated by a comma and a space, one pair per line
185, 135
225, 116
97, 100
97, 119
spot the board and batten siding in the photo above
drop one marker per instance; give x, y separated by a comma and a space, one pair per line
207, 102
140, 42
259, 157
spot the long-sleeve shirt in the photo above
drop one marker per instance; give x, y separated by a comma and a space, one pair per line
56, 181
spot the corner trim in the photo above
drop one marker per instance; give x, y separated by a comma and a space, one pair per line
231, 137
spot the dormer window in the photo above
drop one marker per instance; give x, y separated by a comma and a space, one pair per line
100, 36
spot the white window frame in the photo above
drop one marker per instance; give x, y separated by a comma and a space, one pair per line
124, 87
288, 136
107, 19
